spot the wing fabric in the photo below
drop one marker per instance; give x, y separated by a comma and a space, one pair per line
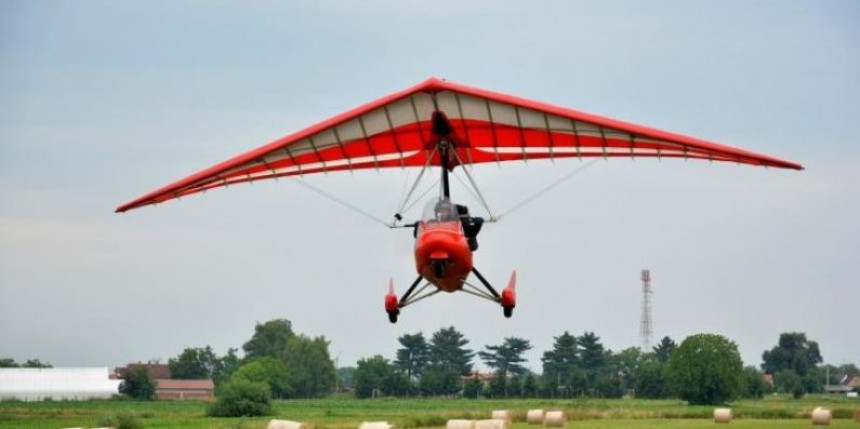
397, 131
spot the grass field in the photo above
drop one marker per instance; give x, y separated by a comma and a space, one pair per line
341, 413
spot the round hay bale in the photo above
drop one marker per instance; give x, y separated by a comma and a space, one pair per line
821, 416
491, 424
534, 417
460, 424
505, 415
722, 415
376, 425
555, 419
285, 424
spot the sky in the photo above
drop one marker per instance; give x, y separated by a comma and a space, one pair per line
102, 101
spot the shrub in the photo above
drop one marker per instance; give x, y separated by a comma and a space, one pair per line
240, 398
138, 384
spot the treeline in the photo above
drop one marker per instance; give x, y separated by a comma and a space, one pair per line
703, 369
30, 363
574, 366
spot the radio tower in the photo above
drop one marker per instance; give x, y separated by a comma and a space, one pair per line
645, 323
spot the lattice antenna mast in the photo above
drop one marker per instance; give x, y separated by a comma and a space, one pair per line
645, 328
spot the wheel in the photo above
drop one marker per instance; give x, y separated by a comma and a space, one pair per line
509, 311
439, 269
392, 317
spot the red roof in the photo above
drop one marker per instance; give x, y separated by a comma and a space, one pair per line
186, 384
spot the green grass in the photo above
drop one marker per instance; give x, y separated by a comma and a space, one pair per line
342, 413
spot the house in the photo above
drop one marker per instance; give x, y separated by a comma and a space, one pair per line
184, 389
847, 385
484, 377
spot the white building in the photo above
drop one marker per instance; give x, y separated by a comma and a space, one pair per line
36, 384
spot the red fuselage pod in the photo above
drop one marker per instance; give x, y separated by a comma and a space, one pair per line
442, 254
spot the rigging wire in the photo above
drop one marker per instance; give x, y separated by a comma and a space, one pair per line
405, 208
414, 185
421, 196
475, 186
548, 188
339, 201
465, 186
405, 184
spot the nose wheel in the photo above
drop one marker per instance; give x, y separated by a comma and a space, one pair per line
439, 266
509, 311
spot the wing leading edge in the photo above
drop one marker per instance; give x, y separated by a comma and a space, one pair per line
485, 126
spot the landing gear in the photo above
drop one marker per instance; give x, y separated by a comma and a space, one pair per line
508, 297
393, 305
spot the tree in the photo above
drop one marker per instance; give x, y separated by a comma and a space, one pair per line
226, 366
592, 355
369, 375
8, 363
497, 386
787, 381
36, 363
439, 380
242, 398
472, 388
346, 377
754, 384
530, 387
448, 350
507, 357
629, 363
561, 367
847, 369
651, 382
706, 369
270, 339
312, 372
793, 352
413, 356
138, 384
377, 374
448, 360
664, 349
514, 389
270, 371
193, 364
312, 369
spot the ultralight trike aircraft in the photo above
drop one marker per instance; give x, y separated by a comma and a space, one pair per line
442, 124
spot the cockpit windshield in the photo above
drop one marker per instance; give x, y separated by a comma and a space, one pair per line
440, 210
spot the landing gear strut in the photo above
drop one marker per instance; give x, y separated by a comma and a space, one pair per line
508, 298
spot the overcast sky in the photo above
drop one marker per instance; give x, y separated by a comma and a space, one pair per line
102, 101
